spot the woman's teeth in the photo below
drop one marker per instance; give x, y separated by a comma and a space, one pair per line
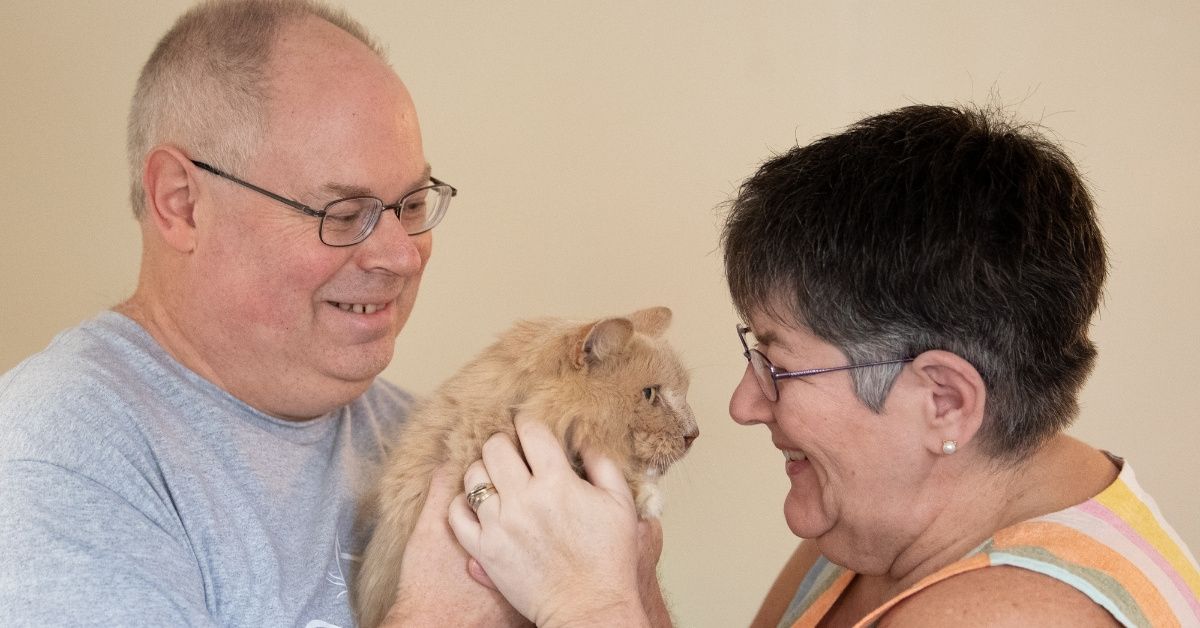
793, 455
359, 308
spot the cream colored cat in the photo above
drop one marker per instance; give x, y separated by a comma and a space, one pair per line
613, 385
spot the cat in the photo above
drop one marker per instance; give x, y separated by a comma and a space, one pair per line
613, 385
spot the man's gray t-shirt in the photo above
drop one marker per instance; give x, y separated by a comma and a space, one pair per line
133, 492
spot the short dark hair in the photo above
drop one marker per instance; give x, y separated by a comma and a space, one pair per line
932, 227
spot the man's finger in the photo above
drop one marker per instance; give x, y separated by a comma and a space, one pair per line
479, 574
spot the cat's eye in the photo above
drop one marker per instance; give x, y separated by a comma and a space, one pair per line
650, 393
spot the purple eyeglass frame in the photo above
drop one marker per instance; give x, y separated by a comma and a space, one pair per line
772, 393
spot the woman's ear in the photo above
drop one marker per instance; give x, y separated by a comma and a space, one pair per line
954, 395
170, 197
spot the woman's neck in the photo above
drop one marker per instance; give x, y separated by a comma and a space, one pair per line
987, 498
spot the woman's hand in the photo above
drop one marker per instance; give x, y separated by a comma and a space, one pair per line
562, 550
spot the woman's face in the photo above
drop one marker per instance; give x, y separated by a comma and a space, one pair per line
858, 479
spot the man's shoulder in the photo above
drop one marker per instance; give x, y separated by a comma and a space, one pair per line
73, 391
87, 354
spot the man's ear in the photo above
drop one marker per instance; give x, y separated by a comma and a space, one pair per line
170, 197
954, 396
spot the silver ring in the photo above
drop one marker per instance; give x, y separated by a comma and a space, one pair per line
479, 493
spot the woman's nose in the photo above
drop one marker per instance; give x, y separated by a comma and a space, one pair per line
748, 405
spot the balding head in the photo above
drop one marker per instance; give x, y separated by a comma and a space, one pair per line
236, 282
205, 88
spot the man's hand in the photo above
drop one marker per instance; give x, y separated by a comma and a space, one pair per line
435, 588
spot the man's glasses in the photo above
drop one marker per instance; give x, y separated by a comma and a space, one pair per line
348, 221
768, 375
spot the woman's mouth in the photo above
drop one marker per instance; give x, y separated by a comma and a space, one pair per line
792, 455
795, 461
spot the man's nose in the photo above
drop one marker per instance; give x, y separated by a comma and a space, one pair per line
390, 248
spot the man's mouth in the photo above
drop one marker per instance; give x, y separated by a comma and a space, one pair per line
360, 308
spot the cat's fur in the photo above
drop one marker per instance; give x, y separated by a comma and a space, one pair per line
613, 386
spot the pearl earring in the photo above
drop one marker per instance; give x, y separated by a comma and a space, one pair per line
949, 446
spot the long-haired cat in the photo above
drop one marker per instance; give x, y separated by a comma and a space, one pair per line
613, 385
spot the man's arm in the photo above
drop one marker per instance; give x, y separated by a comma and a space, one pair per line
435, 588
650, 544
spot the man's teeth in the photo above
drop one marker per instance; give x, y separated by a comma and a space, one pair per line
359, 308
792, 455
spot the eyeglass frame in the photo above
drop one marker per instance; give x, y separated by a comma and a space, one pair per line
321, 213
777, 374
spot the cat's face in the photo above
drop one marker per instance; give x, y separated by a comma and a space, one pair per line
634, 382
661, 424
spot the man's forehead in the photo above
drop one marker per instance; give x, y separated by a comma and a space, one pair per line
407, 181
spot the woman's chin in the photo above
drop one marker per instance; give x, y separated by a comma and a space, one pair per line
805, 516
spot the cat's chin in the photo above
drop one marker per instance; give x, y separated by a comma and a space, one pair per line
649, 497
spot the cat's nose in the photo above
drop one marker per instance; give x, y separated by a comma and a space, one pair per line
690, 436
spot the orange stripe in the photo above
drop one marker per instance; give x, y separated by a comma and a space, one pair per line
970, 563
816, 611
1072, 546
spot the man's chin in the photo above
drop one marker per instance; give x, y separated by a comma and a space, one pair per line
359, 368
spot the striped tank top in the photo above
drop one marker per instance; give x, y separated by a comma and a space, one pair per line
1115, 548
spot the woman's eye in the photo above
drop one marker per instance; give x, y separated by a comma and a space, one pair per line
650, 393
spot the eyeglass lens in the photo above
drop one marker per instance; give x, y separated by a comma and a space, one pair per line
351, 220
762, 372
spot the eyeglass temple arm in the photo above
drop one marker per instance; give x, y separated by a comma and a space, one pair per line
437, 181
286, 201
806, 373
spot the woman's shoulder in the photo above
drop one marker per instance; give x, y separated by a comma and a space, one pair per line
1111, 560
998, 596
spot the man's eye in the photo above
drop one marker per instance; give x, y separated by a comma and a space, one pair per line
414, 207
344, 219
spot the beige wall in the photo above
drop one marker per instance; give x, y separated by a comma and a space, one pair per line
593, 142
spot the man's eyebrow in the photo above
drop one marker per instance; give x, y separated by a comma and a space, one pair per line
344, 190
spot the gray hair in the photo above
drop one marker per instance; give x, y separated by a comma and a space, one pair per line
932, 227
205, 86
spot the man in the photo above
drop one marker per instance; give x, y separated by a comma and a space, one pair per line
194, 456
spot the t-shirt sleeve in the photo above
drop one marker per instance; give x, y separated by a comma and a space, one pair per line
75, 552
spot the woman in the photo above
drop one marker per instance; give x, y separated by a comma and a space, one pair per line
917, 292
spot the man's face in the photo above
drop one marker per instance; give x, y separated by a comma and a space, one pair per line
308, 326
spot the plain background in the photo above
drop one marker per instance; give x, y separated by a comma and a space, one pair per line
594, 143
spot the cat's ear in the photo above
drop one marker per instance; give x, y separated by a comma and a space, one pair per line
603, 339
652, 321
